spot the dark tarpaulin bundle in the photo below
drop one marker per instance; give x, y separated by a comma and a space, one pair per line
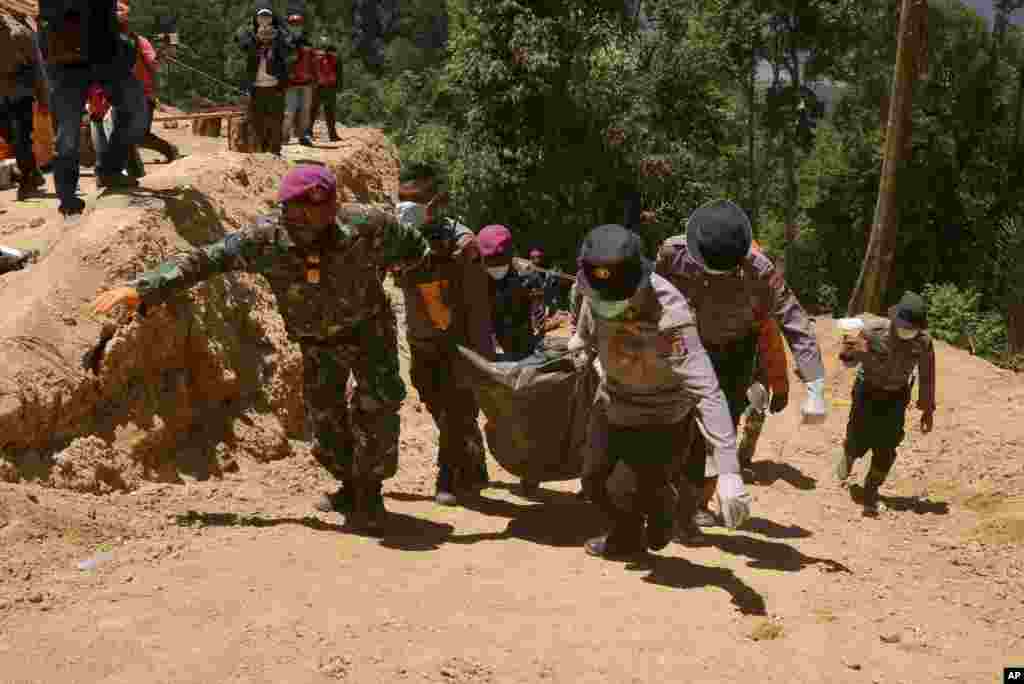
537, 410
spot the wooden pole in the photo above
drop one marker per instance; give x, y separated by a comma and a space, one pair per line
869, 293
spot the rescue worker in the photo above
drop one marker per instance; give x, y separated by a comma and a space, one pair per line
725, 280
513, 308
655, 373
328, 80
771, 379
267, 46
888, 351
446, 304
770, 374
325, 275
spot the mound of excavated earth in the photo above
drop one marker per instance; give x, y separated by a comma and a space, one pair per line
94, 404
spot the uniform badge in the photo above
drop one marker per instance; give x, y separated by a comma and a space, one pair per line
313, 269
602, 273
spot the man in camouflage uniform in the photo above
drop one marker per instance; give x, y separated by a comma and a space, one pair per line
726, 282
325, 275
656, 373
888, 351
447, 304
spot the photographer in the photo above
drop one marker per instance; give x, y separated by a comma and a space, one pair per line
266, 45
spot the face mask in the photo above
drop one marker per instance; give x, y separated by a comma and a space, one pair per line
498, 272
609, 310
906, 333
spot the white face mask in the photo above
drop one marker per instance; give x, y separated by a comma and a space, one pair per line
906, 333
498, 272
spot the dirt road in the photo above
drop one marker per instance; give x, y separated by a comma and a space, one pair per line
237, 580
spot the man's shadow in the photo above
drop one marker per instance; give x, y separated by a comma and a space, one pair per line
768, 473
399, 531
679, 573
770, 555
558, 519
903, 504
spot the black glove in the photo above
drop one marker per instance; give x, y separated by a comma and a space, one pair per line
779, 402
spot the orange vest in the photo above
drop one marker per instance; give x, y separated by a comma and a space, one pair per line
773, 368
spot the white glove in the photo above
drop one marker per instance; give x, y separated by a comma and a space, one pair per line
733, 500
814, 407
576, 343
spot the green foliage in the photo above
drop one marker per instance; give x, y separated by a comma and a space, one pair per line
563, 112
952, 312
954, 316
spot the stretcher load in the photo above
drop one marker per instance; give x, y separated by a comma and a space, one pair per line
537, 410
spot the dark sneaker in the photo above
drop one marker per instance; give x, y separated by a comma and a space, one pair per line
870, 502
72, 207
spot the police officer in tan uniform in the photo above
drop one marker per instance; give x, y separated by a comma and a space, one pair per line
655, 373
888, 351
726, 283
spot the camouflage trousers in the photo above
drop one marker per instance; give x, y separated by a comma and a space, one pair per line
452, 406
357, 441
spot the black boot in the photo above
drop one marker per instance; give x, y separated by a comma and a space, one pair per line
26, 191
376, 513
529, 487
661, 518
472, 479
870, 500
445, 488
626, 539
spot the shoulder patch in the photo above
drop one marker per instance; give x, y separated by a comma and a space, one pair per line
672, 342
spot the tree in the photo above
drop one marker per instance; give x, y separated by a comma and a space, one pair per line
569, 109
871, 286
